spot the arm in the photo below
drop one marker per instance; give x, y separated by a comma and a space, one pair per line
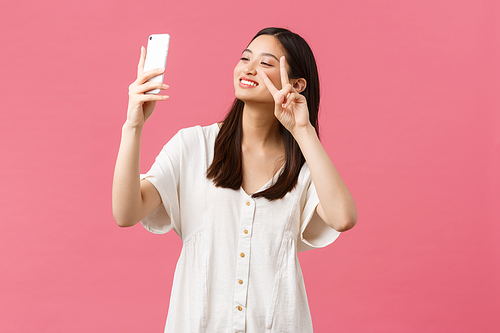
132, 199
336, 207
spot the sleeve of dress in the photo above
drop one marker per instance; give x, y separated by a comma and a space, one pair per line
164, 175
314, 232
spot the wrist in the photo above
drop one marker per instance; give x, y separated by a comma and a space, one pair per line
305, 132
132, 127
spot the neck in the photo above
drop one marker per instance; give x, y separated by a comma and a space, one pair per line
260, 126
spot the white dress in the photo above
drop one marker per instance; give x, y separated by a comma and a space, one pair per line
238, 270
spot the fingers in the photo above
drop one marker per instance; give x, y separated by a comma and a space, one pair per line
151, 86
141, 97
284, 94
140, 67
142, 88
283, 72
268, 83
149, 74
280, 96
290, 98
153, 97
144, 76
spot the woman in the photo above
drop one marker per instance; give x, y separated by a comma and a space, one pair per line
244, 195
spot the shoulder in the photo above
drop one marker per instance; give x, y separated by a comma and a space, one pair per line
193, 136
305, 174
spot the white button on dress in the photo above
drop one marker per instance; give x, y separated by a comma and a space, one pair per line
238, 270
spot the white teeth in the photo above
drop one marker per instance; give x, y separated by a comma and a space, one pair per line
250, 83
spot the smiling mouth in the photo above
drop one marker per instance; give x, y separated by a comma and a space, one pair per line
249, 83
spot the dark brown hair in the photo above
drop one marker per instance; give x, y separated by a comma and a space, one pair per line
226, 168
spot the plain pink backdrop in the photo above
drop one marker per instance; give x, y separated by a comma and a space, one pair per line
410, 117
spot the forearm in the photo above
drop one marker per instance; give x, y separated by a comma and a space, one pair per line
127, 198
337, 207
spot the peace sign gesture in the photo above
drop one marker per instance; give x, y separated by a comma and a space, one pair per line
290, 106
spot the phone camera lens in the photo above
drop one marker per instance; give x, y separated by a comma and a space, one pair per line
150, 38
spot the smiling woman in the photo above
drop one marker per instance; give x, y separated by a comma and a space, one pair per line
262, 57
245, 195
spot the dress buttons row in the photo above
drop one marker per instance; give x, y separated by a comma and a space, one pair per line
242, 255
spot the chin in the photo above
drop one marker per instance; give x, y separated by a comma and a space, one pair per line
253, 98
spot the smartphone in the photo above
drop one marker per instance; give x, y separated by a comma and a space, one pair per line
156, 57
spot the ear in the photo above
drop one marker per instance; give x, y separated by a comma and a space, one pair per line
300, 84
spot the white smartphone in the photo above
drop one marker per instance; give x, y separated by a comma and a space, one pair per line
156, 57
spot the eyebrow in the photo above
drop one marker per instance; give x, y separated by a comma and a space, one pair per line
263, 54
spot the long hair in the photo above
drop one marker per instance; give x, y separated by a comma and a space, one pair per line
226, 169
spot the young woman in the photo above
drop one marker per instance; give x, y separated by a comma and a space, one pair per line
245, 195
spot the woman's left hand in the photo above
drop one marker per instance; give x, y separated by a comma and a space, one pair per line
290, 106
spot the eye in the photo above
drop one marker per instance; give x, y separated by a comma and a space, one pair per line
266, 64
244, 58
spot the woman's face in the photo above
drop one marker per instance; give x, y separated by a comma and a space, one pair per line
262, 55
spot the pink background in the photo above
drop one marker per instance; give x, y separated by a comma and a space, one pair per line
410, 117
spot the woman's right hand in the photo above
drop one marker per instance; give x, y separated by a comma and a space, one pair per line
141, 105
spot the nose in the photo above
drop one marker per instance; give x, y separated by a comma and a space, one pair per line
250, 69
